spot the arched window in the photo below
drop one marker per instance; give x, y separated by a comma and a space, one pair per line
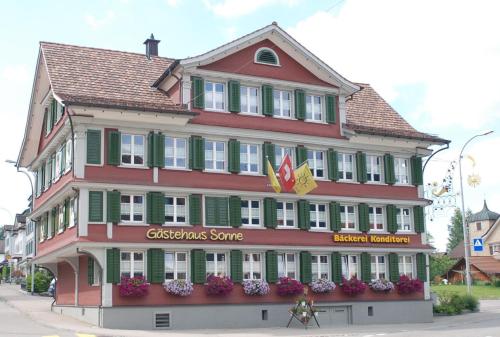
266, 56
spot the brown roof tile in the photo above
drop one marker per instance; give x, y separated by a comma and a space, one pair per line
369, 113
105, 78
487, 264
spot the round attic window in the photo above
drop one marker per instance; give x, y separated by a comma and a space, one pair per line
266, 56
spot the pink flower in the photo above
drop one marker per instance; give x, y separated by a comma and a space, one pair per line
289, 286
133, 286
219, 285
407, 285
353, 286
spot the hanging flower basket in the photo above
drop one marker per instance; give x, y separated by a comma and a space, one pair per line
381, 286
288, 286
406, 285
133, 286
256, 287
219, 285
179, 287
322, 286
353, 286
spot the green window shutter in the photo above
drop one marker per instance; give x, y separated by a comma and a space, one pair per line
336, 268
334, 216
195, 209
95, 206
234, 156
421, 267
53, 221
155, 208
62, 167
234, 96
300, 104
333, 165
66, 213
90, 270
268, 154
113, 206
211, 211
159, 158
53, 115
46, 123
363, 216
198, 266
301, 153
419, 219
366, 273
271, 266
94, 147
331, 109
223, 211
361, 167
393, 267
198, 89
392, 225
196, 153
113, 265
236, 257
389, 174
156, 265
235, 211
114, 148
305, 267
304, 216
267, 100
270, 213
416, 170
151, 146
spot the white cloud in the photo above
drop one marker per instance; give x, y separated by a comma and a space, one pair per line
230, 33
173, 3
96, 23
237, 8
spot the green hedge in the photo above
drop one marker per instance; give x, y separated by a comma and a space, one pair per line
42, 282
454, 304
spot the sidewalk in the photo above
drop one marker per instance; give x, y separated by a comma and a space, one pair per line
38, 308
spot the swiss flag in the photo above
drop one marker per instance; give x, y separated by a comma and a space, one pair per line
285, 172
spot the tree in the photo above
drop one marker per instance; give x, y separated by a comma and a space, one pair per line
455, 229
440, 264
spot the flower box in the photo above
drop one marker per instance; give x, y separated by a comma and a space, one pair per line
179, 287
256, 287
219, 285
133, 286
353, 286
322, 286
288, 286
406, 285
381, 286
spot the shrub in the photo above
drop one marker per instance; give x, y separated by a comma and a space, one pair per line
470, 302
353, 286
133, 286
219, 285
382, 286
497, 283
179, 287
322, 286
256, 287
452, 303
42, 282
6, 273
289, 286
406, 285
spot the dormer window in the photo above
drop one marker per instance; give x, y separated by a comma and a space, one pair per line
266, 56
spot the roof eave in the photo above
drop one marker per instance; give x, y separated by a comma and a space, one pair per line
129, 108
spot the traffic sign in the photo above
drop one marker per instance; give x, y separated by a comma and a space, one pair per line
478, 244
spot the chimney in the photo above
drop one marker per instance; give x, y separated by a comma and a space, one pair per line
151, 46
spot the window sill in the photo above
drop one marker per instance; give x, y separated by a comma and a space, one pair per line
142, 167
287, 228
95, 165
376, 183
403, 185
250, 174
321, 230
284, 117
139, 224
173, 224
216, 171
314, 121
251, 114
350, 231
216, 110
252, 227
184, 169
406, 233
348, 181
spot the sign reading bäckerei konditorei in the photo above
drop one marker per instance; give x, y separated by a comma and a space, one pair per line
212, 235
371, 238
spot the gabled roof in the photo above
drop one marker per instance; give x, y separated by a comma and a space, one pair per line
458, 252
107, 78
492, 229
369, 113
483, 215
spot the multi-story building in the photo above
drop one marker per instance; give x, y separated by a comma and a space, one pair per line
155, 167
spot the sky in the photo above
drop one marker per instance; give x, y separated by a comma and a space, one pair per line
436, 62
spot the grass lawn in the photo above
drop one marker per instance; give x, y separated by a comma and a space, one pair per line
480, 291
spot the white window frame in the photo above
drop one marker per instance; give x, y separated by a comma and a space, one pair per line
286, 270
251, 211
131, 205
285, 214
313, 164
176, 153
53, 168
132, 262
282, 154
250, 264
316, 226
176, 265
398, 170
247, 94
214, 155
132, 150
58, 159
371, 160
73, 212
343, 226
321, 108
69, 150
342, 156
346, 262
378, 219
60, 218
280, 108
404, 268
48, 172
97, 274
400, 218
213, 104
175, 205
216, 263
320, 266
376, 267
248, 156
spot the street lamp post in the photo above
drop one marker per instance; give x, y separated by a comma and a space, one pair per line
464, 221
31, 210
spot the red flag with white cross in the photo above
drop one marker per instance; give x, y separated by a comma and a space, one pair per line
285, 172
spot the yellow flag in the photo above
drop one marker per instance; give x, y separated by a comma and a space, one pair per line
304, 180
275, 184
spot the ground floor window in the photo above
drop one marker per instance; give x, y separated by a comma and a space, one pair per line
131, 264
406, 265
320, 268
350, 266
252, 266
378, 267
287, 265
216, 264
176, 266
